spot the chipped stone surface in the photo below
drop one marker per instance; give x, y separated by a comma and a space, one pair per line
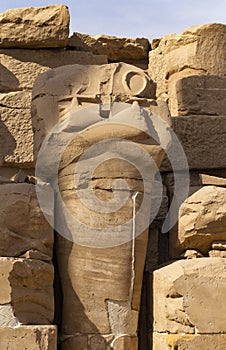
16, 142
180, 55
27, 285
85, 294
201, 95
202, 220
189, 296
24, 231
203, 149
133, 51
35, 27
59, 91
189, 342
20, 68
29, 337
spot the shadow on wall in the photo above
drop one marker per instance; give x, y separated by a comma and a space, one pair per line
7, 142
8, 80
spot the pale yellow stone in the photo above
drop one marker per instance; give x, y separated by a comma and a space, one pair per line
202, 220
133, 51
29, 338
201, 95
203, 149
26, 285
23, 227
16, 142
188, 342
35, 27
197, 50
189, 297
212, 180
20, 68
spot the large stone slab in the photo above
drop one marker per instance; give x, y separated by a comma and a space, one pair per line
29, 338
23, 228
133, 51
16, 142
203, 139
26, 292
20, 68
189, 297
196, 51
202, 95
188, 342
35, 27
202, 220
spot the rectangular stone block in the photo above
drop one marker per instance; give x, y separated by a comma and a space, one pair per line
189, 342
29, 338
203, 139
202, 95
19, 68
16, 141
35, 27
24, 231
26, 292
189, 297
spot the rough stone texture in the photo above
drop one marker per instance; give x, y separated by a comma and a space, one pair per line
133, 51
18, 71
59, 91
189, 342
101, 287
219, 245
35, 27
197, 50
26, 285
202, 95
217, 253
189, 297
203, 139
16, 142
85, 308
29, 338
20, 68
202, 220
24, 231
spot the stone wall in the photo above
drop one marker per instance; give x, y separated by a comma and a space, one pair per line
182, 301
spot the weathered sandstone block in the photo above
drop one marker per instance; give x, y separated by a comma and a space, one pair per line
26, 292
101, 287
189, 342
23, 227
116, 49
203, 139
29, 338
202, 220
189, 297
196, 51
16, 142
202, 95
35, 27
20, 68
